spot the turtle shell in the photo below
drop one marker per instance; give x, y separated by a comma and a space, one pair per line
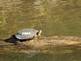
26, 33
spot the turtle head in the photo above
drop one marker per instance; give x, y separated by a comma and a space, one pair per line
39, 33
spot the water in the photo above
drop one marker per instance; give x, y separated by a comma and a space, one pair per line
55, 17
55, 54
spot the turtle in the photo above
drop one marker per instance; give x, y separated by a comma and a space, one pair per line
27, 34
22, 35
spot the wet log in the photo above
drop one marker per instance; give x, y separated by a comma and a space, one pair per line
54, 41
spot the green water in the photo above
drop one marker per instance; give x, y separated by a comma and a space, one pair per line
60, 17
55, 54
54, 17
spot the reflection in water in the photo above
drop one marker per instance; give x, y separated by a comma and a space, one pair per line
68, 53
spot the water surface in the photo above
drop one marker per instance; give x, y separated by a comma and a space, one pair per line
69, 53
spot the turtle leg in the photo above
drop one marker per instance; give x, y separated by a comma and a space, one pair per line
34, 36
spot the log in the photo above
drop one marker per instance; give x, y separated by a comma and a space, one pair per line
53, 41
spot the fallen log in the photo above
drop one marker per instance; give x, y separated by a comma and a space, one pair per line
53, 41
43, 42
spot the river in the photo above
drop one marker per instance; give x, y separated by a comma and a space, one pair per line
53, 17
